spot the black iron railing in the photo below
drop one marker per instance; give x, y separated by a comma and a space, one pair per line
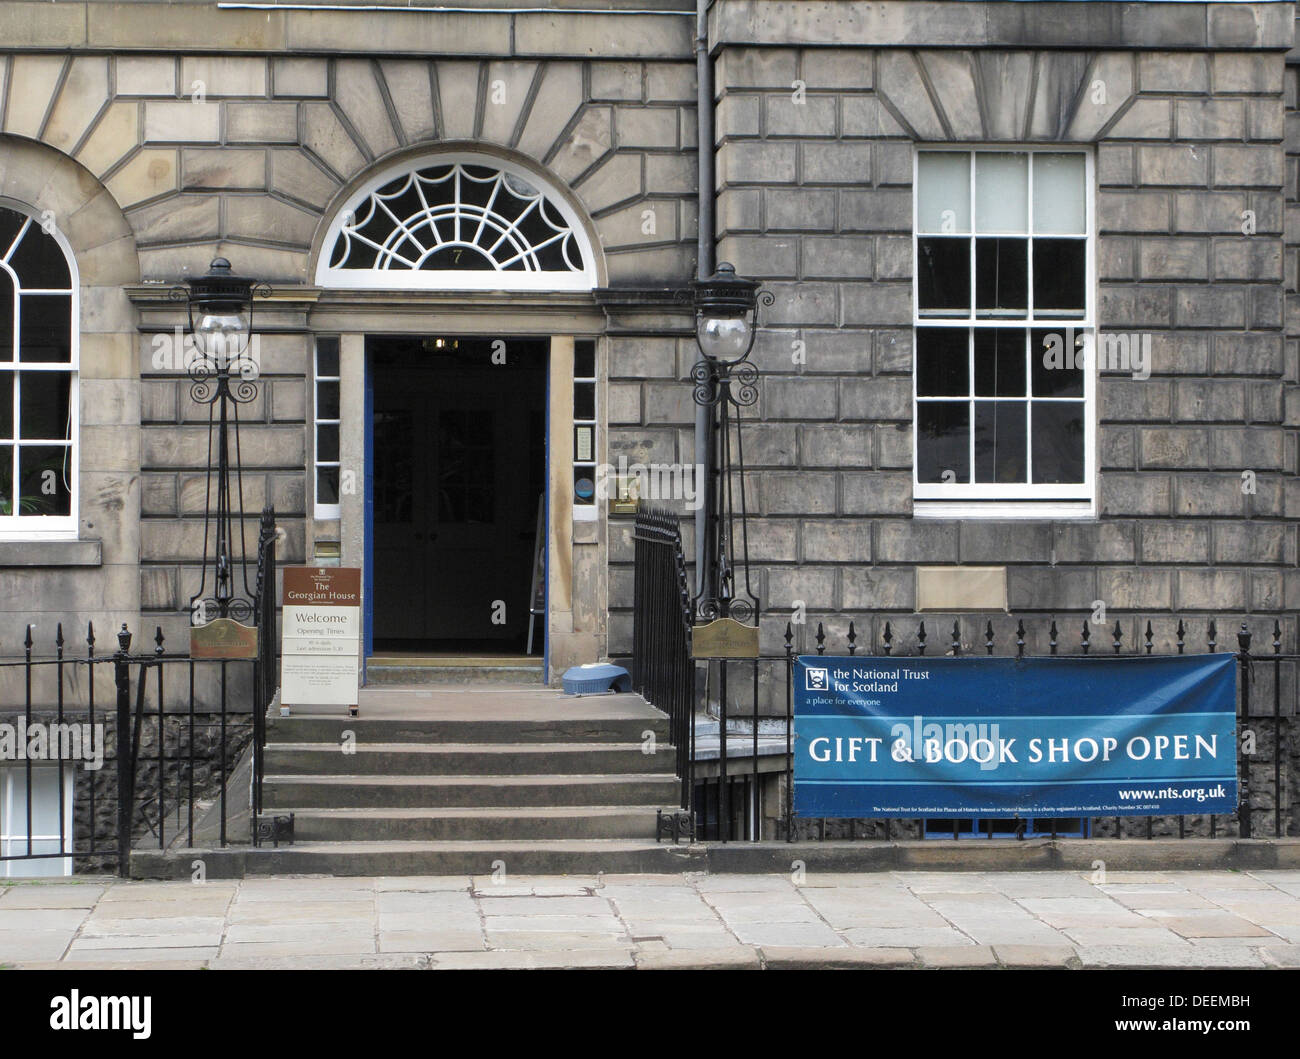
663, 671
1270, 714
156, 763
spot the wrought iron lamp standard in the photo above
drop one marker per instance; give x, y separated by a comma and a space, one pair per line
223, 376
726, 309
726, 610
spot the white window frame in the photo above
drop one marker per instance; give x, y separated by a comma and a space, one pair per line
319, 510
18, 526
994, 499
13, 833
455, 279
587, 511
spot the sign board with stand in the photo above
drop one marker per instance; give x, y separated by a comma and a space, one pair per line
321, 647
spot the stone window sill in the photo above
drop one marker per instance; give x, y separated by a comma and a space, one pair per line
51, 553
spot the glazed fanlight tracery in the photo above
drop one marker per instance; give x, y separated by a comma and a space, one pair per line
458, 224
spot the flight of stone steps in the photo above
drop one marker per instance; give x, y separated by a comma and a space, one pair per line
496, 787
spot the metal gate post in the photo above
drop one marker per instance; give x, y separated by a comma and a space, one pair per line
125, 773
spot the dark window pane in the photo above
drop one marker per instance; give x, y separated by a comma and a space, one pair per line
1001, 277
1058, 277
43, 404
327, 356
584, 359
46, 331
6, 469
45, 473
327, 443
1000, 441
584, 400
999, 362
1058, 442
327, 485
11, 222
1056, 358
6, 405
943, 441
942, 362
6, 315
39, 261
943, 276
327, 400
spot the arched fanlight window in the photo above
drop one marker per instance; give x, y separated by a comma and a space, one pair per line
464, 222
38, 376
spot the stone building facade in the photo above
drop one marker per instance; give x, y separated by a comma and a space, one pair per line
154, 137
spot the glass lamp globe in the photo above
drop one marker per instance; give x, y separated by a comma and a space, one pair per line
220, 333
724, 338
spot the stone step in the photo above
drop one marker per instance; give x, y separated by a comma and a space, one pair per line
386, 673
306, 728
437, 792
446, 759
495, 860
476, 824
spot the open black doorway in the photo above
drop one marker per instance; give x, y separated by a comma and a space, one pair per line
459, 470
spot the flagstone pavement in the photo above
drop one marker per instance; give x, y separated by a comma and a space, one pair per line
1204, 919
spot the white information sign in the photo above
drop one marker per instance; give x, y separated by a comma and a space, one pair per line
320, 650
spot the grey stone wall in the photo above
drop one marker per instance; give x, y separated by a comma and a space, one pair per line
815, 199
247, 156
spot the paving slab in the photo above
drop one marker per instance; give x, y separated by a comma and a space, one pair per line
33, 944
389, 921
1287, 956
178, 890
42, 919
734, 958
305, 933
422, 883
535, 941
340, 962
699, 939
946, 882
1143, 903
906, 937
326, 943
955, 956
1193, 923
1102, 935
591, 959
424, 901
1144, 956
799, 935
543, 906
102, 926
431, 941
1018, 884
1035, 956
133, 963
49, 896
142, 956
784, 957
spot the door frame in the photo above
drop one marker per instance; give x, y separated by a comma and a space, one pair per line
368, 502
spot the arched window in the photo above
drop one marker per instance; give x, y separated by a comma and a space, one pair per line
38, 376
468, 222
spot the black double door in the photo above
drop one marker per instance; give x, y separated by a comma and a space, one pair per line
458, 469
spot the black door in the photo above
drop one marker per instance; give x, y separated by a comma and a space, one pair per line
459, 464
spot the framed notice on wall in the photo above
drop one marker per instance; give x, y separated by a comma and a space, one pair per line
321, 647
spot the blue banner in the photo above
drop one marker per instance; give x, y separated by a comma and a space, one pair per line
997, 737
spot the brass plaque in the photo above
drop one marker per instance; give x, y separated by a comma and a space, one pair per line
724, 638
627, 495
223, 638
